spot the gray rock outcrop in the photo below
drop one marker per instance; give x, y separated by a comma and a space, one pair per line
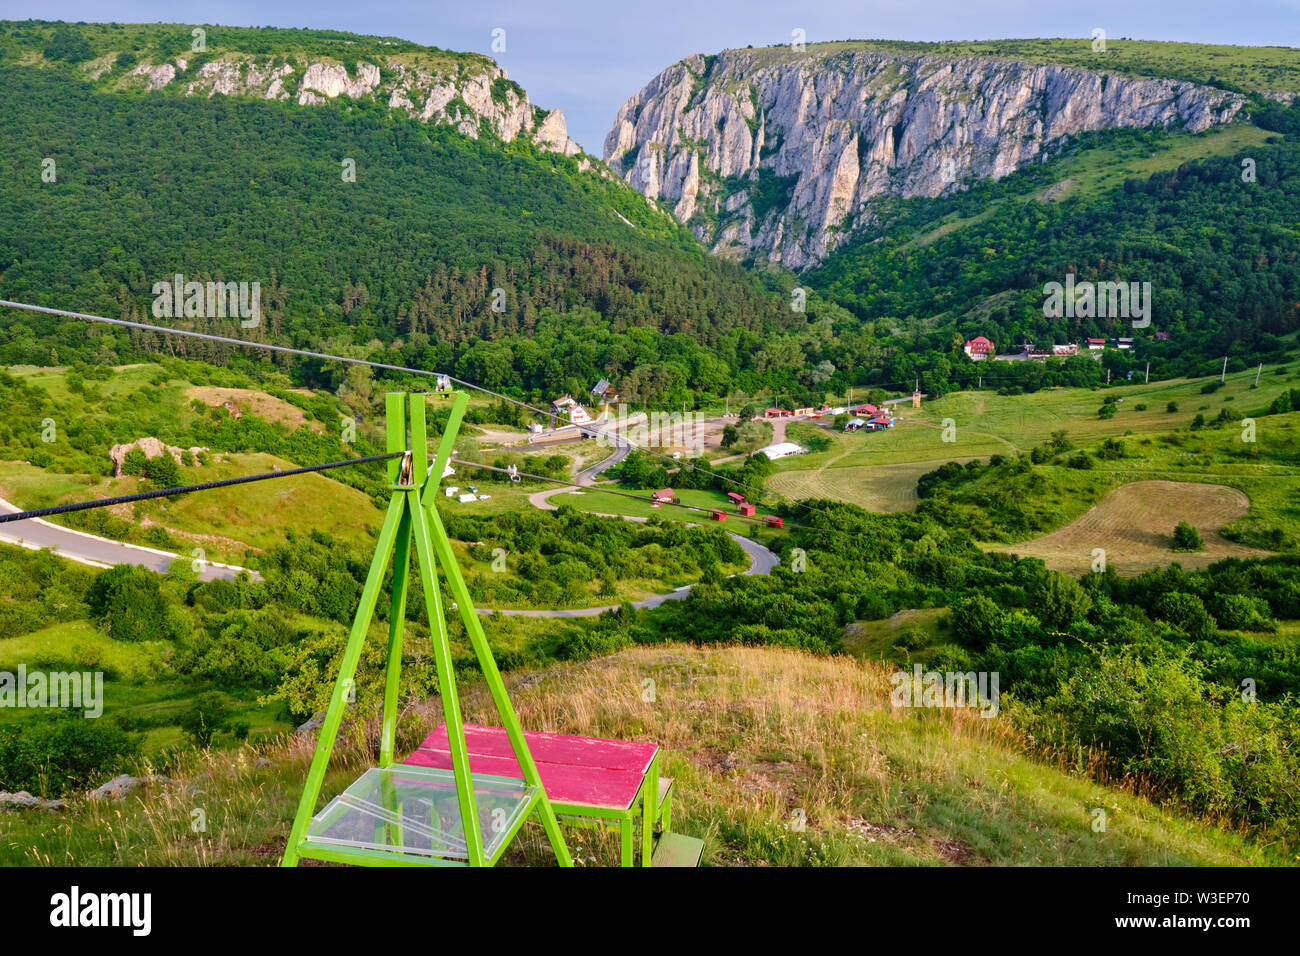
778, 154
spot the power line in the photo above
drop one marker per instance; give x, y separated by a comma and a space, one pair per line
187, 489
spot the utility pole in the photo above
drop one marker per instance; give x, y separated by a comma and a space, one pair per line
1224, 374
1107, 376
1147, 380
1258, 371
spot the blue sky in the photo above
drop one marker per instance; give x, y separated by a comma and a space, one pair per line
588, 56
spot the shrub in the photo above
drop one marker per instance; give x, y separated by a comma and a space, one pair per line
1058, 600
57, 754
1171, 407
207, 715
1185, 612
134, 462
1187, 538
1243, 613
129, 604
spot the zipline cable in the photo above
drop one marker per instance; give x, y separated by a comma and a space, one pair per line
187, 489
620, 441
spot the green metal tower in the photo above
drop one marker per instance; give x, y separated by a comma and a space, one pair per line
394, 814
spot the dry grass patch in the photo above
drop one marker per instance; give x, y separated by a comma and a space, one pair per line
1135, 525
264, 406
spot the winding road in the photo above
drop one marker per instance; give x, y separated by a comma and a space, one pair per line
761, 561
90, 549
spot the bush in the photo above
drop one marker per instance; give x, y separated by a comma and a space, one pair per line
1241, 612
1171, 407
1058, 601
1187, 538
134, 462
59, 754
129, 604
1185, 612
208, 715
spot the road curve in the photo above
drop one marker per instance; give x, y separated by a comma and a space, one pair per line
84, 548
761, 561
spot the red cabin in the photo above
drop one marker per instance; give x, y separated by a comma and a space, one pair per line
745, 508
772, 521
735, 497
717, 514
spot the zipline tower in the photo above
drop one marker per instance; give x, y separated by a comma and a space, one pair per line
395, 814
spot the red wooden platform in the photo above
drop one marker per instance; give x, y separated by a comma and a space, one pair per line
583, 771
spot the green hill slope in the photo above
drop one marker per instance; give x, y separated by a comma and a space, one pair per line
780, 758
361, 223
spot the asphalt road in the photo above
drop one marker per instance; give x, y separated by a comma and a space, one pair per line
761, 561
36, 533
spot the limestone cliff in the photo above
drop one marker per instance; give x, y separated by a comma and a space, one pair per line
778, 154
469, 97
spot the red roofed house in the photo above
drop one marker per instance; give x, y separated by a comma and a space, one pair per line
978, 348
664, 495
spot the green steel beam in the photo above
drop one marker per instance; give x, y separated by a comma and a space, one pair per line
496, 686
347, 671
396, 619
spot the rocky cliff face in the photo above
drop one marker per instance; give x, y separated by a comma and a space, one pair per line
468, 98
779, 154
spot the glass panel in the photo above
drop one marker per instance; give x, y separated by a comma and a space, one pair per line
415, 810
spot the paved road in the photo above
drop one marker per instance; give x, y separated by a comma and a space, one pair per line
761, 561
37, 533
588, 475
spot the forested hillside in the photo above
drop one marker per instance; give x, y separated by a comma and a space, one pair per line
1222, 255
106, 193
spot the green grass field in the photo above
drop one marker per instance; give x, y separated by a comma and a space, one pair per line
879, 470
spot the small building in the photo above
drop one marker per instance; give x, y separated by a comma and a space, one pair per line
882, 421
736, 497
604, 392
778, 413
783, 449
804, 413
865, 409
745, 508
772, 521
916, 398
717, 514
1096, 345
1125, 343
978, 348
570, 411
664, 496
853, 424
